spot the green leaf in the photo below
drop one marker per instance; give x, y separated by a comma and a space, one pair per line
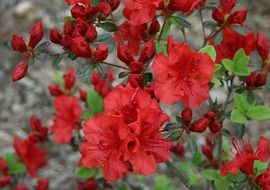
85, 173
210, 174
258, 112
192, 145
222, 184
193, 179
240, 29
161, 48
59, 78
184, 166
240, 61
162, 182
180, 21
166, 30
14, 167
108, 26
103, 38
197, 158
210, 50
94, 3
238, 117
94, 102
259, 167
218, 38
241, 102
228, 64
57, 59
210, 24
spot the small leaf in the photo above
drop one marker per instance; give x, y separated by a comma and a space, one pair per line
258, 112
147, 78
240, 102
162, 182
94, 3
161, 48
210, 50
193, 179
85, 173
218, 38
210, 174
108, 26
123, 74
175, 136
94, 102
180, 21
222, 184
238, 117
59, 78
228, 64
14, 166
57, 59
103, 38
240, 29
210, 24
192, 145
259, 167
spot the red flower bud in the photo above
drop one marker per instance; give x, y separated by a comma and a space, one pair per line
18, 43
263, 46
136, 67
78, 11
69, 78
207, 151
154, 27
200, 125
36, 34
4, 180
83, 94
261, 80
42, 184
178, 149
215, 126
135, 80
91, 33
251, 80
114, 4
68, 27
101, 52
3, 166
81, 48
186, 116
90, 184
148, 51
55, 90
19, 71
124, 54
218, 15
55, 36
66, 41
238, 17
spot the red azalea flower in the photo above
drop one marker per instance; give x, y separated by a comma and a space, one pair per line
101, 53
80, 47
39, 132
232, 42
33, 157
36, 34
55, 90
183, 75
263, 46
72, 2
42, 184
18, 43
20, 187
132, 35
140, 12
246, 156
127, 137
223, 14
185, 6
4, 178
264, 179
68, 115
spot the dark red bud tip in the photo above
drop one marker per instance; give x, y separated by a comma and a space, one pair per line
178, 149
200, 125
18, 43
55, 90
36, 34
186, 115
251, 80
261, 80
207, 152
19, 71
83, 94
154, 27
55, 36
215, 127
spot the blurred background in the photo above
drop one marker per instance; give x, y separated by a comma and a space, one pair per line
30, 96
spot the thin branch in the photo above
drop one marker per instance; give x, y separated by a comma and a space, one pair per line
114, 65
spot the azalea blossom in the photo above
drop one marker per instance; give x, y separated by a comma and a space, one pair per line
182, 76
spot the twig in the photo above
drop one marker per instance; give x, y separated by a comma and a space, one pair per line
114, 65
163, 27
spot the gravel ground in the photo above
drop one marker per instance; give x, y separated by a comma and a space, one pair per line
29, 96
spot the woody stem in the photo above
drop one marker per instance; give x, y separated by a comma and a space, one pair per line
114, 65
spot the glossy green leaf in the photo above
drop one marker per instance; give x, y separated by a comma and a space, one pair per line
258, 112
210, 50
161, 48
85, 173
94, 102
